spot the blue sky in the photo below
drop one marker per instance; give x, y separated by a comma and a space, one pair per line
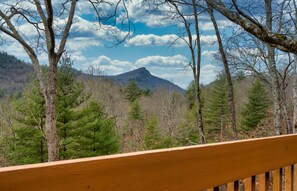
154, 43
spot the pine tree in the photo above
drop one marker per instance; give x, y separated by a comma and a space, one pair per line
190, 95
133, 94
255, 109
135, 111
95, 133
217, 110
28, 145
2, 93
152, 138
189, 134
70, 95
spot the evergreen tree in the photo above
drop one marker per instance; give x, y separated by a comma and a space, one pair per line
28, 145
95, 133
255, 109
133, 94
188, 130
190, 95
2, 93
70, 95
217, 110
135, 111
152, 138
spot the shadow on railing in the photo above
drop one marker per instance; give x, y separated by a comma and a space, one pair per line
248, 164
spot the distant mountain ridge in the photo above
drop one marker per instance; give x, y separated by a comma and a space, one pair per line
14, 74
145, 80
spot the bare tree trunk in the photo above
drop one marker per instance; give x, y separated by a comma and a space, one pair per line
51, 114
294, 128
275, 90
227, 72
195, 64
197, 77
274, 75
289, 127
295, 95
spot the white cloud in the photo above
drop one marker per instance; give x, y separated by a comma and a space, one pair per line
155, 40
140, 12
81, 43
205, 26
101, 33
108, 66
166, 40
209, 53
14, 48
77, 56
208, 73
163, 61
208, 39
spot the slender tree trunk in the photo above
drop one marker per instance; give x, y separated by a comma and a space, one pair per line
295, 95
41, 142
274, 75
195, 63
275, 90
197, 76
288, 122
294, 128
41, 151
228, 74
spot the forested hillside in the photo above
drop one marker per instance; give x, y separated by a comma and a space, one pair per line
14, 74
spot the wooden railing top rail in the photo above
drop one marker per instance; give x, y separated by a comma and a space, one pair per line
183, 168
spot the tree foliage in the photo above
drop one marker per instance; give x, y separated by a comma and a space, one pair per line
70, 96
95, 133
75, 125
217, 110
255, 109
28, 143
133, 94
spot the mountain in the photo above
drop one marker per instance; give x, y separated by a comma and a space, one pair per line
14, 74
145, 80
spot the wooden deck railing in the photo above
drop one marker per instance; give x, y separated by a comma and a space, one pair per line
249, 164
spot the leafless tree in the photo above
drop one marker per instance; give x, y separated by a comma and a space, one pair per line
52, 24
263, 60
186, 13
227, 72
235, 13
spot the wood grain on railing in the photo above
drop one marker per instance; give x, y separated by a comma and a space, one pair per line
233, 186
185, 168
295, 177
277, 179
264, 181
289, 178
250, 184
